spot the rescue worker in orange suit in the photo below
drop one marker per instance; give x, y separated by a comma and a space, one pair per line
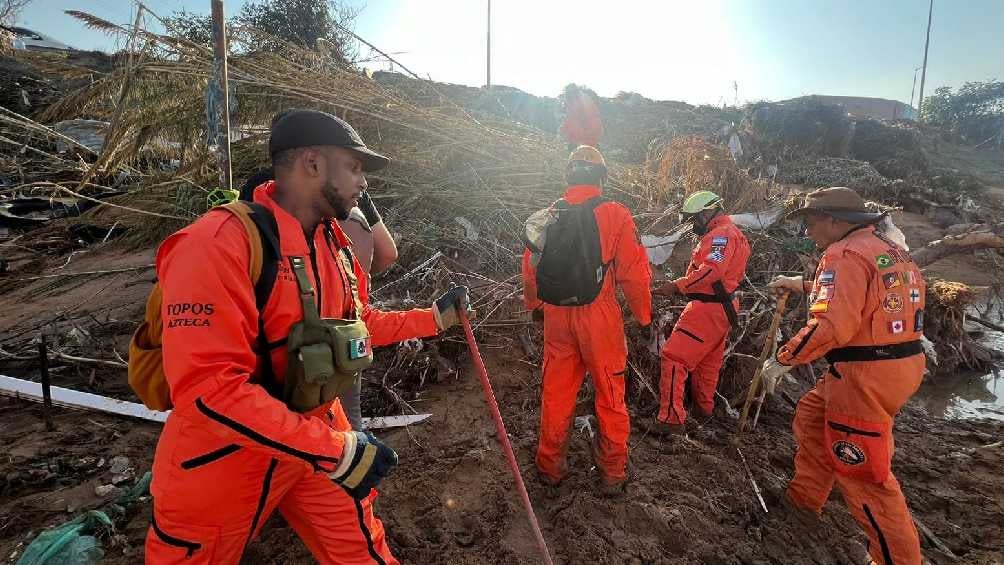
694, 351
231, 453
591, 338
582, 124
376, 251
372, 245
866, 319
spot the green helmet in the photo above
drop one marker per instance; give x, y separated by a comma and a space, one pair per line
701, 200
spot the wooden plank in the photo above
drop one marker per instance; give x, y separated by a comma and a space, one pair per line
67, 398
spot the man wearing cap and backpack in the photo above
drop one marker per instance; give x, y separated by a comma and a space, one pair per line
866, 319
371, 244
589, 249
254, 376
694, 351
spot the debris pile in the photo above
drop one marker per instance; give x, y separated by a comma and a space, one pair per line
469, 165
464, 172
944, 325
796, 128
835, 171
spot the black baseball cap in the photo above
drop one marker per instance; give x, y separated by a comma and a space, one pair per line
307, 128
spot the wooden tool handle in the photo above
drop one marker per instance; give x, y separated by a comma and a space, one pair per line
768, 347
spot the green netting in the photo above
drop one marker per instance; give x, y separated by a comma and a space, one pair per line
76, 542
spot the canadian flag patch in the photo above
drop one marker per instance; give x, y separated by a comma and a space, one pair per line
896, 326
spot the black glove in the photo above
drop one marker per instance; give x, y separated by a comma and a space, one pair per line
368, 209
365, 462
537, 315
447, 307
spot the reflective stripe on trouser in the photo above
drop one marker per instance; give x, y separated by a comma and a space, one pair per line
576, 340
843, 428
213, 504
692, 354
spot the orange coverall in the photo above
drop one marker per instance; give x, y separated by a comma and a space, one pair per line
866, 318
694, 350
582, 125
231, 453
591, 338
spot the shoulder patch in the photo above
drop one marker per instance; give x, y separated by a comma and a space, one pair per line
825, 292
892, 280
884, 261
719, 240
893, 302
820, 307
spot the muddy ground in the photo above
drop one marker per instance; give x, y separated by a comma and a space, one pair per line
452, 499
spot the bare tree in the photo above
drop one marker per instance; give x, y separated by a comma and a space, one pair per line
9, 10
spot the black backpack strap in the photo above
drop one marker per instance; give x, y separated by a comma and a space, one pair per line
593, 202
589, 207
268, 231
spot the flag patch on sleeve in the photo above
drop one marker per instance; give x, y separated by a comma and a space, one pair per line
892, 280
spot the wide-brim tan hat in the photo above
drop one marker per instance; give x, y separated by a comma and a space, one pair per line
838, 202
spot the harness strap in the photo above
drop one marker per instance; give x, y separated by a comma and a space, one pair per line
313, 332
345, 258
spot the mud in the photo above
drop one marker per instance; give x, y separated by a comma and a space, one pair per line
452, 499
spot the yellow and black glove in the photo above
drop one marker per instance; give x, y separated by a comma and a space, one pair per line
365, 462
447, 307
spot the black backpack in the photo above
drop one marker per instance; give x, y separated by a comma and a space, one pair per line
571, 269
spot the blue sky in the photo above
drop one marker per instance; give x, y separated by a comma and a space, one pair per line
691, 51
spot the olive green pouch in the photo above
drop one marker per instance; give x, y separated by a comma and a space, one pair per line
352, 344
325, 355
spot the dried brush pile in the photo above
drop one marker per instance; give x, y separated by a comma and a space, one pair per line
947, 304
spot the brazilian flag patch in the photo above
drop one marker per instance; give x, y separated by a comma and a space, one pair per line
884, 261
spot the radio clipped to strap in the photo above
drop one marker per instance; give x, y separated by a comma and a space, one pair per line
325, 354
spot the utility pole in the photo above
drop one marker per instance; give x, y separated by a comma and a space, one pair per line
488, 66
913, 89
220, 72
923, 74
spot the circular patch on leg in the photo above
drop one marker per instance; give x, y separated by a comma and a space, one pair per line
848, 453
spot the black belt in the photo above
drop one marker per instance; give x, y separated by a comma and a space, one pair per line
721, 296
708, 298
875, 352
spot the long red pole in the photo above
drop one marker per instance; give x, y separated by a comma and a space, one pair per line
503, 436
